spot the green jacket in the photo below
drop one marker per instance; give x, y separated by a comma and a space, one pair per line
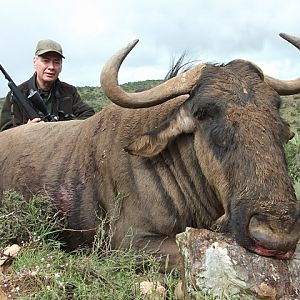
64, 97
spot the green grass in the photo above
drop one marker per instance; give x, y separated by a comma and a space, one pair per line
27, 221
297, 189
292, 150
42, 270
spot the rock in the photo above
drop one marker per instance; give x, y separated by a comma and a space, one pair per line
216, 265
7, 255
154, 290
2, 295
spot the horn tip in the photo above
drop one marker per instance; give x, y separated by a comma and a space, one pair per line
135, 41
295, 41
283, 35
132, 44
288, 37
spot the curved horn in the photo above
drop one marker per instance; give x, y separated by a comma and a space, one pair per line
286, 87
179, 85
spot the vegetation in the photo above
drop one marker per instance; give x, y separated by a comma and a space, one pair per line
43, 270
96, 98
292, 151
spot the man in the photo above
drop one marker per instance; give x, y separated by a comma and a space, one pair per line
59, 97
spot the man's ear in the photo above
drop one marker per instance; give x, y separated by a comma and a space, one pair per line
154, 141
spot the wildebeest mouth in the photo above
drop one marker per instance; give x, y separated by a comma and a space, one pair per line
260, 250
272, 241
260, 238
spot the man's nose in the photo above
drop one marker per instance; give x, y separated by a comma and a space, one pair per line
51, 64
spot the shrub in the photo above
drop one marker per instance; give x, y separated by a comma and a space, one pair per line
26, 221
292, 150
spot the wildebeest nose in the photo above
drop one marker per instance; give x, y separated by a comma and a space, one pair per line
275, 234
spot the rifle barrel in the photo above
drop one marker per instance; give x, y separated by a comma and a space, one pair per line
18, 96
5, 73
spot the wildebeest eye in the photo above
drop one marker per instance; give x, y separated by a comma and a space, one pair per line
207, 110
201, 113
222, 138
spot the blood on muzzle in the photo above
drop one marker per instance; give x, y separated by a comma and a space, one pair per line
273, 236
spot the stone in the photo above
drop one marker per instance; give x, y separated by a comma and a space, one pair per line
216, 265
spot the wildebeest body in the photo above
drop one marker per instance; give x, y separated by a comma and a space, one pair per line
85, 170
212, 160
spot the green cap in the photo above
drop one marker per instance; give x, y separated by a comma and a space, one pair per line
45, 46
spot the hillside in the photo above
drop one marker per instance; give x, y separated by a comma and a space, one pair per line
94, 96
291, 110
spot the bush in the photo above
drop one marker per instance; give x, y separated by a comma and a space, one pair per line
292, 150
297, 189
27, 221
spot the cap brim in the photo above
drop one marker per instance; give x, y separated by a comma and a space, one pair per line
41, 52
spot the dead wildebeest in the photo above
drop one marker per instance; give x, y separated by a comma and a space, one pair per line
212, 158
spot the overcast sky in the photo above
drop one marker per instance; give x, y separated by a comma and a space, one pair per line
91, 31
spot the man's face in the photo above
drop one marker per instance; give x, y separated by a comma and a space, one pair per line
48, 66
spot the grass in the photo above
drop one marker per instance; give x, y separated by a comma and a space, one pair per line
297, 189
42, 270
37, 214
292, 150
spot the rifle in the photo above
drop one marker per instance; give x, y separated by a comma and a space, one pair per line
35, 98
20, 99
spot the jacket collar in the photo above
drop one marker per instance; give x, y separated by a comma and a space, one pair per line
32, 85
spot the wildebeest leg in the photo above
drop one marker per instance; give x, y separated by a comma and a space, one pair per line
171, 256
166, 249
171, 259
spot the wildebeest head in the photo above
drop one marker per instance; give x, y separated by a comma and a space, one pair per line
233, 113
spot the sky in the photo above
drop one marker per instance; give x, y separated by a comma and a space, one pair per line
91, 31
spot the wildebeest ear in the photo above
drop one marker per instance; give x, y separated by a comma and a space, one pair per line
154, 141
